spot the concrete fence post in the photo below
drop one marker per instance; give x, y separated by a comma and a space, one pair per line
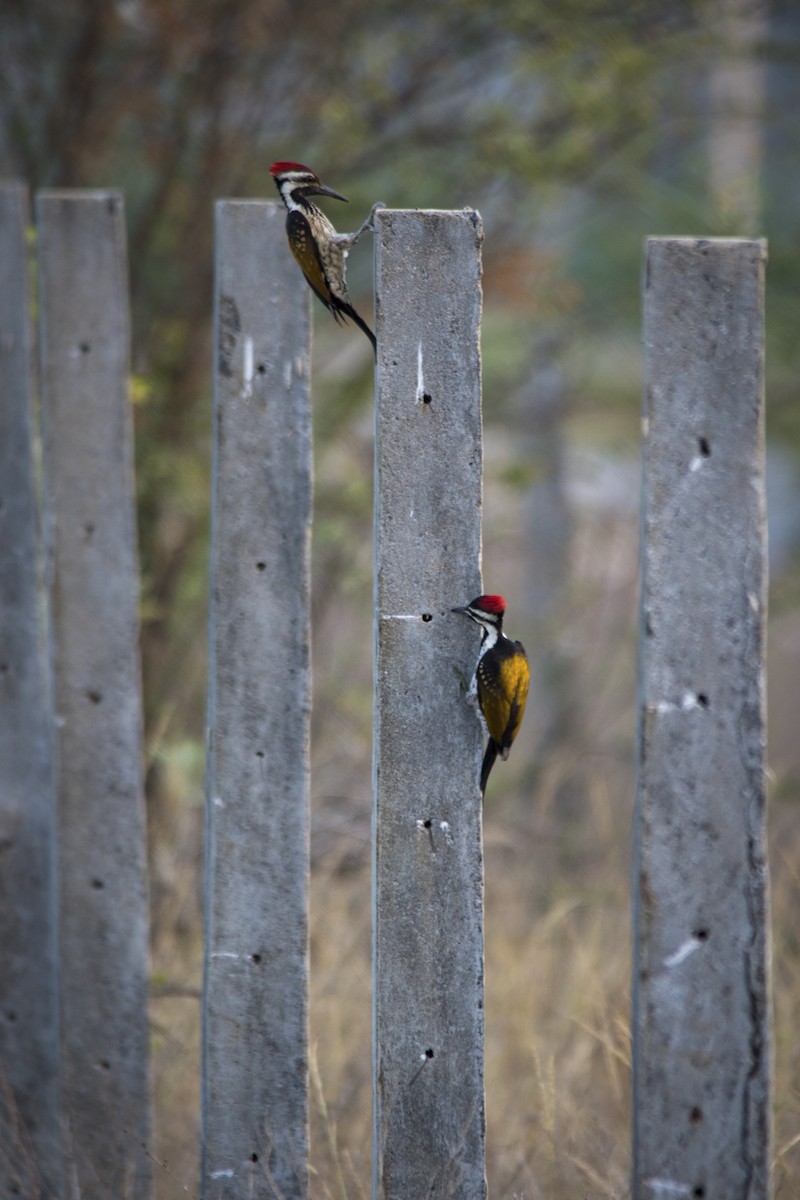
94, 589
428, 1100
700, 982
30, 1120
255, 1108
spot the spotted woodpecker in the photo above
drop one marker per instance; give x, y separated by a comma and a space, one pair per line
499, 687
320, 251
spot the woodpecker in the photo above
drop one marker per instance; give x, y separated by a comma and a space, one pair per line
320, 251
499, 687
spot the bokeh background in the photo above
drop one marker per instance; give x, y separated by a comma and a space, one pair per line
576, 128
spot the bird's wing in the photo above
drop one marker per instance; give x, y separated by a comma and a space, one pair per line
319, 267
504, 681
304, 248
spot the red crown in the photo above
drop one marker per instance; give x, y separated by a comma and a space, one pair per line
490, 604
280, 168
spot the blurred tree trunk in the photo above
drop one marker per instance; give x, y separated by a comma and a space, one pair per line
737, 85
548, 531
556, 695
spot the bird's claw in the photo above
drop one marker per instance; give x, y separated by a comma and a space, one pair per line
370, 221
348, 240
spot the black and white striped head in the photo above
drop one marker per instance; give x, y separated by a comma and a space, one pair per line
488, 612
296, 182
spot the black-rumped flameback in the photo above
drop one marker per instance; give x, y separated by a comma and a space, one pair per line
320, 251
499, 687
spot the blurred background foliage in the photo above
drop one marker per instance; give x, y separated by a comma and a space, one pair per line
576, 129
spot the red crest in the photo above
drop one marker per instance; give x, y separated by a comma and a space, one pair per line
490, 604
280, 168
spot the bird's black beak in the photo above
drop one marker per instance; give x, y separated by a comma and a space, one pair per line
319, 189
462, 608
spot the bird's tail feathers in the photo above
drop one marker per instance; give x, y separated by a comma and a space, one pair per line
349, 311
489, 758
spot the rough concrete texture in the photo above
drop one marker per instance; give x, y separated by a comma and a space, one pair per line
94, 594
701, 1042
255, 1107
30, 1115
428, 879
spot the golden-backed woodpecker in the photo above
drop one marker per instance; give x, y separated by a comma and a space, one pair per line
499, 687
320, 251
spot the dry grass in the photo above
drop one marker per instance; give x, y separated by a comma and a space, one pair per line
557, 1014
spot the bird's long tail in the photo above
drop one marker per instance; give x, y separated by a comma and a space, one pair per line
488, 762
350, 312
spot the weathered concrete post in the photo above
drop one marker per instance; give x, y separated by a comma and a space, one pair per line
700, 984
255, 1109
30, 1119
94, 589
428, 873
